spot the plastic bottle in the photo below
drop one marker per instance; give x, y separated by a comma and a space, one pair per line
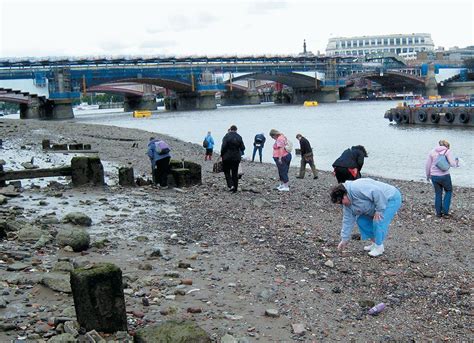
377, 309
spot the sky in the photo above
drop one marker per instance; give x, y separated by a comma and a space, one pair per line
38, 28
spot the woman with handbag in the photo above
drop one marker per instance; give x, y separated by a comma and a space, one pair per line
440, 159
282, 157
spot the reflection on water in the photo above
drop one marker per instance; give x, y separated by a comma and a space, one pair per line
394, 151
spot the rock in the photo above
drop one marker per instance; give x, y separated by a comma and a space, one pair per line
15, 267
172, 331
43, 240
272, 313
30, 233
232, 316
7, 327
77, 239
72, 327
172, 274
3, 302
366, 303
329, 263
9, 191
57, 282
29, 165
228, 339
78, 218
63, 266
194, 310
261, 202
298, 329
3, 199
63, 338
94, 337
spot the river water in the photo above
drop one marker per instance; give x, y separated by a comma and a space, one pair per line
397, 152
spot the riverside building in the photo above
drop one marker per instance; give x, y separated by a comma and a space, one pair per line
405, 45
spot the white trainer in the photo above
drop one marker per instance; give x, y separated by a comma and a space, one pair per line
284, 188
369, 247
377, 250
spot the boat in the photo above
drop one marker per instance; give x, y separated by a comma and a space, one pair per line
84, 106
310, 103
141, 114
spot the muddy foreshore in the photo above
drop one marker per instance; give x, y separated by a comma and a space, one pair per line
245, 253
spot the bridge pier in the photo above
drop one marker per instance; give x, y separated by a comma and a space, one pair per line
323, 95
32, 110
191, 101
240, 98
147, 102
60, 110
431, 86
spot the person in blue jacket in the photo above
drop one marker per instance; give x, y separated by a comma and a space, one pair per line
372, 204
208, 144
258, 143
159, 153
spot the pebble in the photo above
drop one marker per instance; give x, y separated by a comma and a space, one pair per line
272, 313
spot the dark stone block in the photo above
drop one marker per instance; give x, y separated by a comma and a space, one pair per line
46, 143
87, 170
98, 298
59, 146
187, 178
87, 147
126, 177
172, 331
78, 146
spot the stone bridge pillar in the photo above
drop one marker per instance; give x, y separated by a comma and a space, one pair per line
147, 102
191, 101
32, 110
323, 95
431, 86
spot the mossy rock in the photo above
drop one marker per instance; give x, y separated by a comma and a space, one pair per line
172, 332
77, 239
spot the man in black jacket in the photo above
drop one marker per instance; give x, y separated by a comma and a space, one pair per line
231, 152
349, 164
306, 157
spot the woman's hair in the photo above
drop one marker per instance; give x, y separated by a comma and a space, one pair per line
445, 143
233, 128
337, 193
274, 133
362, 148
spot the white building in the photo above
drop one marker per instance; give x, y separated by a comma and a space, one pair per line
406, 45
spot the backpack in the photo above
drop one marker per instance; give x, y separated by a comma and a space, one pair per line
205, 143
288, 145
442, 162
162, 148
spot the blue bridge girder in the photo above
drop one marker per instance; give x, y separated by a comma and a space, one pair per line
181, 74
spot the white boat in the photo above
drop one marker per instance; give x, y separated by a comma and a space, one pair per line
84, 106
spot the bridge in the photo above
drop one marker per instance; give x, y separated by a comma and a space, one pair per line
192, 82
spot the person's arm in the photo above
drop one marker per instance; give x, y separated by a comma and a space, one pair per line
151, 151
380, 202
429, 162
242, 146
348, 221
452, 161
212, 141
224, 146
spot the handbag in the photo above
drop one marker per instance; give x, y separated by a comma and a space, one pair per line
442, 162
217, 167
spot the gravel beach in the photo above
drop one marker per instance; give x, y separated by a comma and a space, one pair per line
260, 265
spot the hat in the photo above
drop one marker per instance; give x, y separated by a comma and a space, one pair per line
274, 132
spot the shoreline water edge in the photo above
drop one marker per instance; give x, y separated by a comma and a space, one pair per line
257, 265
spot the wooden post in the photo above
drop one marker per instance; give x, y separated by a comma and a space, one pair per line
98, 298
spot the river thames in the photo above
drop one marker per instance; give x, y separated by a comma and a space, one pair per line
397, 152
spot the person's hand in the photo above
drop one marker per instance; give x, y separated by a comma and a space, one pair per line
342, 245
378, 216
428, 178
279, 160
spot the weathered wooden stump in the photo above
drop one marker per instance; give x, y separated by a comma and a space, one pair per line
46, 143
98, 298
2, 182
172, 331
126, 177
87, 170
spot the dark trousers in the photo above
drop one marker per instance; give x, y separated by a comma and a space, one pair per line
162, 171
283, 167
441, 183
259, 149
343, 174
231, 172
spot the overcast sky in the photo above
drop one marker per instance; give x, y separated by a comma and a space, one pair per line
226, 27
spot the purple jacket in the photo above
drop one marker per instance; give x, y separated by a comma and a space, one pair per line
430, 167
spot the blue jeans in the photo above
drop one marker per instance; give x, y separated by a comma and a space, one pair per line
440, 183
259, 149
283, 167
378, 229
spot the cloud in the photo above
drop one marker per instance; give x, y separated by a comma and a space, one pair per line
182, 22
265, 7
113, 46
157, 44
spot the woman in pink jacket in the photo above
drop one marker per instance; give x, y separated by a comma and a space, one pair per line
282, 158
440, 178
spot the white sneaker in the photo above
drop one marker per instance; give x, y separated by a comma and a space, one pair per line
377, 250
283, 188
369, 247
